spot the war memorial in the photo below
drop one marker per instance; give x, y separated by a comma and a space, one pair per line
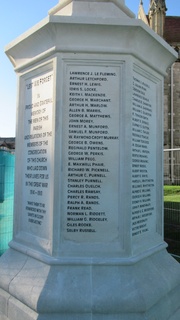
88, 211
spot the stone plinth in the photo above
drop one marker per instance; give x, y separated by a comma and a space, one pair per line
88, 228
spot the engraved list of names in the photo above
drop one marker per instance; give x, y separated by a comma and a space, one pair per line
143, 156
91, 151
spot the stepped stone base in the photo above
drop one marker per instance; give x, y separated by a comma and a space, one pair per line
146, 290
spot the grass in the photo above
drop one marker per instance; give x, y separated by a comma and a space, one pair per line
172, 193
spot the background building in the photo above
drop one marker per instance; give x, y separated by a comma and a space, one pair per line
168, 27
7, 144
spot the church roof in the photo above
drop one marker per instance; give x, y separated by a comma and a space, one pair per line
172, 29
8, 143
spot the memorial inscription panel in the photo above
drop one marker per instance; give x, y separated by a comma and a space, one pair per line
37, 152
143, 156
91, 153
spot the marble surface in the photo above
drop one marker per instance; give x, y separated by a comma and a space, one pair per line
114, 268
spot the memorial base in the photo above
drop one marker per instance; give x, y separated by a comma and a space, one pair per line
147, 289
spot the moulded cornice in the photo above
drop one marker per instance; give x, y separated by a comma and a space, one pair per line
111, 36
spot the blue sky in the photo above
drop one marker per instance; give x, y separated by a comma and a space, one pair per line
17, 16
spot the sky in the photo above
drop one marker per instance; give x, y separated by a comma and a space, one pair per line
17, 16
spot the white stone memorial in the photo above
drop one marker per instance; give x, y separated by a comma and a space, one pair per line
88, 211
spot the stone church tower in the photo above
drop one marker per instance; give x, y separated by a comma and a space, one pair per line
157, 14
168, 27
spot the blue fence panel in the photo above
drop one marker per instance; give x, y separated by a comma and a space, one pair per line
2, 171
7, 161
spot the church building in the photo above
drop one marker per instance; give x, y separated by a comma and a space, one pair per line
168, 27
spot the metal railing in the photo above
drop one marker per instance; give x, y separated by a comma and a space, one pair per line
172, 166
172, 207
